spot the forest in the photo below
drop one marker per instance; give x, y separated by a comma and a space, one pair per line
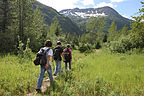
107, 61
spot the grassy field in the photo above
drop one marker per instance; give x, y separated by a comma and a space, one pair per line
18, 76
95, 74
113, 74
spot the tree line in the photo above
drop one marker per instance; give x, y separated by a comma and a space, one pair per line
115, 40
18, 22
21, 21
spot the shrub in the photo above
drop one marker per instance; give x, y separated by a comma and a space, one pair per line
28, 51
122, 45
85, 48
97, 45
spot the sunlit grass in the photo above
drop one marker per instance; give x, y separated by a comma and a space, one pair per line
123, 72
93, 74
18, 76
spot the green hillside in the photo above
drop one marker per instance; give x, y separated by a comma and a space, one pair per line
50, 14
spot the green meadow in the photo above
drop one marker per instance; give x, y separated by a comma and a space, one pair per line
99, 73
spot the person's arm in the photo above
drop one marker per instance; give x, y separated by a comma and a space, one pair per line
63, 55
47, 65
71, 55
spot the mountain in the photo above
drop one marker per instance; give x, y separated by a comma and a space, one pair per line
83, 15
50, 15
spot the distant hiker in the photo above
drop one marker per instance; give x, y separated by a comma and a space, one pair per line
46, 66
67, 55
57, 57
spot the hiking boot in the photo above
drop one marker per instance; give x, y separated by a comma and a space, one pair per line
38, 90
54, 74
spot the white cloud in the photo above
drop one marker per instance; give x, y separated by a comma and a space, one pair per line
117, 0
87, 2
102, 4
60, 4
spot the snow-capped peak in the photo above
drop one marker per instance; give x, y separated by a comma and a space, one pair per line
82, 13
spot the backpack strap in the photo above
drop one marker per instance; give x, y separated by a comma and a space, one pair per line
47, 49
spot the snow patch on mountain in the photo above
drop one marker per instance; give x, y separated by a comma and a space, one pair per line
87, 14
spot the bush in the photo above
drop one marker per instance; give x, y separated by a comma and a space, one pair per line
85, 48
97, 45
136, 51
28, 51
122, 45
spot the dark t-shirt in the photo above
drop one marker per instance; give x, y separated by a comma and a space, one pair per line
57, 51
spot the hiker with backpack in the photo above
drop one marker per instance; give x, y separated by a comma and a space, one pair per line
57, 57
45, 64
67, 55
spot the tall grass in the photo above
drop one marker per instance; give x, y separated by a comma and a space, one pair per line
93, 74
120, 72
102, 74
18, 76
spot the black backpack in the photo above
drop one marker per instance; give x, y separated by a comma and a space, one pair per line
67, 55
56, 53
41, 58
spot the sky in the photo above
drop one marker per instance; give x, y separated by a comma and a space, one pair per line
126, 8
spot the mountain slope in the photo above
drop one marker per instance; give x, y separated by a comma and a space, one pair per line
51, 14
83, 15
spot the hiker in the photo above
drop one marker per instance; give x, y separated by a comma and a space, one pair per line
45, 67
57, 57
67, 55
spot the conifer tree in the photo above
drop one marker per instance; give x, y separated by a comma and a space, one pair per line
96, 27
124, 31
113, 34
55, 28
7, 25
30, 23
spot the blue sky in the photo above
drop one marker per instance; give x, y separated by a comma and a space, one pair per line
126, 8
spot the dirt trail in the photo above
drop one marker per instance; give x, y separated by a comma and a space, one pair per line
97, 51
46, 81
46, 84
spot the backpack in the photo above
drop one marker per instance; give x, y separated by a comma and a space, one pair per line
67, 55
56, 53
41, 58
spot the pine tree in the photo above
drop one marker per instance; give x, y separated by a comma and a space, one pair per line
113, 34
55, 28
124, 31
7, 25
96, 28
30, 23
105, 38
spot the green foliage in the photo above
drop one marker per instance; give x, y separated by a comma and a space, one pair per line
19, 19
137, 33
98, 45
21, 50
113, 34
85, 47
7, 26
28, 51
124, 31
122, 45
17, 79
55, 28
24, 53
129, 41
96, 28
